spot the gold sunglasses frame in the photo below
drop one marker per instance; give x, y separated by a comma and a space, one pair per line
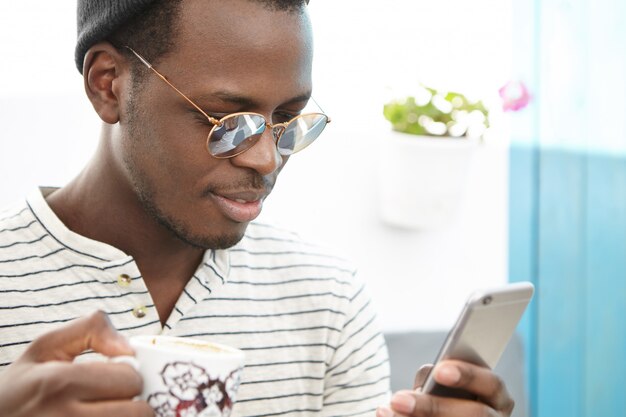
277, 129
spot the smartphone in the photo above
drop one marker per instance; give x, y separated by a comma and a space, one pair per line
482, 331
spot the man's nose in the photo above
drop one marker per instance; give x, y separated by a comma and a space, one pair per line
263, 156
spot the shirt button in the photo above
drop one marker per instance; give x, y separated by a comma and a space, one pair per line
123, 280
139, 312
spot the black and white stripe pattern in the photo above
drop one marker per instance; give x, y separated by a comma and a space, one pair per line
300, 314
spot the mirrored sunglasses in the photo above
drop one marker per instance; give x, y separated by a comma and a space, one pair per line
236, 133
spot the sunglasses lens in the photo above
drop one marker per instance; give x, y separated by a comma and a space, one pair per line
236, 134
301, 132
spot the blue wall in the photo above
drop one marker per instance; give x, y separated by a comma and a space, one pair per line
568, 204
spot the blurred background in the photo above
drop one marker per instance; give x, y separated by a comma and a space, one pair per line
542, 197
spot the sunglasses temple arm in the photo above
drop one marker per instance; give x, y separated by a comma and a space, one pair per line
320, 107
149, 65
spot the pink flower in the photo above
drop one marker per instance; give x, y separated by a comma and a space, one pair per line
515, 96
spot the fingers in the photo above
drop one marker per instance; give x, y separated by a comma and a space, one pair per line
477, 380
115, 408
492, 396
94, 381
411, 403
421, 376
64, 344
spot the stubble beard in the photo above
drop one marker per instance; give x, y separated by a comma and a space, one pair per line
176, 227
145, 190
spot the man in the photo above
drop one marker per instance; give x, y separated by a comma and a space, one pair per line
202, 103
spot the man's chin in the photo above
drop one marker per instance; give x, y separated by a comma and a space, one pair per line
218, 235
223, 240
203, 239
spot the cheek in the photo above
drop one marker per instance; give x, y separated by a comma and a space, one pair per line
165, 131
172, 153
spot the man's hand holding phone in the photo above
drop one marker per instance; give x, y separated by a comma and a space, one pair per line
462, 384
492, 397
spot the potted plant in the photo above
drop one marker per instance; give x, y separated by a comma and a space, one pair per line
440, 114
425, 160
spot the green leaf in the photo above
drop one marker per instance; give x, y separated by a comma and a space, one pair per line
405, 114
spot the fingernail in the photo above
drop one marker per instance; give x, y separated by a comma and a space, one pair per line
384, 412
448, 375
403, 403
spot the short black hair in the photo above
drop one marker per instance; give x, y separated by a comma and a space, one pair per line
152, 33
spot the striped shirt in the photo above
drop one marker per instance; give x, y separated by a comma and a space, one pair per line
300, 314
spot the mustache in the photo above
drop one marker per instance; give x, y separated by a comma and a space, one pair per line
254, 181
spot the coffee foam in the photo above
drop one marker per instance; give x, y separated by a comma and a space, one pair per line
178, 344
191, 345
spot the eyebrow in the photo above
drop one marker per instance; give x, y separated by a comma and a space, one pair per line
230, 97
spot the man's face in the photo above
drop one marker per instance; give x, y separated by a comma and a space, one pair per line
230, 56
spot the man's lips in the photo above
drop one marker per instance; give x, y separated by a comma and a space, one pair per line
240, 206
245, 196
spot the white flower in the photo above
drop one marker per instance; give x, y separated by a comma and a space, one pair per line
212, 410
183, 379
213, 394
163, 404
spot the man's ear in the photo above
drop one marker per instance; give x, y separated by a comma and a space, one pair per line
106, 75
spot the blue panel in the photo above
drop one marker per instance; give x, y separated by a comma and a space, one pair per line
568, 204
561, 289
605, 345
523, 246
524, 179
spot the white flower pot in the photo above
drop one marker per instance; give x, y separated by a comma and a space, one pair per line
422, 179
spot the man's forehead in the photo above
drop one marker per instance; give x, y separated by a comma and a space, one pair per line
252, 23
243, 50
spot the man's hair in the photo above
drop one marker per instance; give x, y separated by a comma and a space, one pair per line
152, 33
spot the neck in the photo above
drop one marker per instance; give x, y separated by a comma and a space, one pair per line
100, 204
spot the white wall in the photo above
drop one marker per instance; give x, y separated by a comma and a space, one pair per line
328, 193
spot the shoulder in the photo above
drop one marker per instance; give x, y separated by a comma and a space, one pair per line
15, 215
25, 245
18, 227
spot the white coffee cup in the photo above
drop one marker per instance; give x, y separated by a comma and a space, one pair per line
187, 377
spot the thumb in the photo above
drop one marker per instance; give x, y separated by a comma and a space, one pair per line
65, 343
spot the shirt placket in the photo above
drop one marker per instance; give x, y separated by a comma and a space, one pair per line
211, 274
135, 311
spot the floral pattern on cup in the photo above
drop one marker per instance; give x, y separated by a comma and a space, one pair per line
193, 393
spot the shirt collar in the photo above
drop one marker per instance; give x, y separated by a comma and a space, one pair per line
214, 268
